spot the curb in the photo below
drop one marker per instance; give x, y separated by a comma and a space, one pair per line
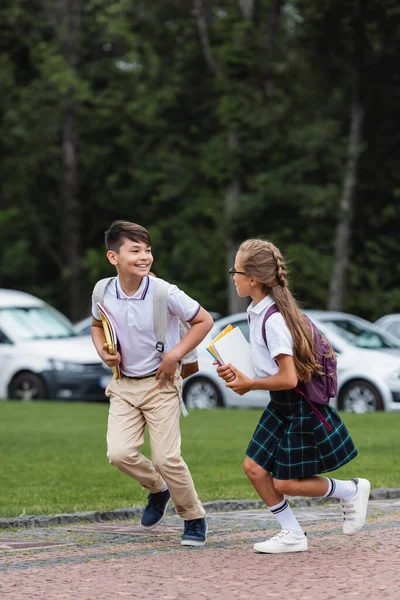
120, 514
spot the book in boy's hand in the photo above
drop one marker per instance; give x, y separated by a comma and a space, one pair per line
232, 347
110, 335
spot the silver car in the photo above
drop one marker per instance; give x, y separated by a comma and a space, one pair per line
391, 324
368, 366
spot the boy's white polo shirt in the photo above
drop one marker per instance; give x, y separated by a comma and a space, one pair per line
133, 320
278, 336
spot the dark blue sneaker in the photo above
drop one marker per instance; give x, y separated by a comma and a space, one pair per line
195, 533
155, 510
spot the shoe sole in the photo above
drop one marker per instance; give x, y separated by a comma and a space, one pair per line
158, 522
365, 497
283, 551
194, 543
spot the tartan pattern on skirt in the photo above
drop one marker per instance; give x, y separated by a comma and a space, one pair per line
290, 441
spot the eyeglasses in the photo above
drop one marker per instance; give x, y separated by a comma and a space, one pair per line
233, 272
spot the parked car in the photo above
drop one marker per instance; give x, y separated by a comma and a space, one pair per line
205, 389
84, 326
42, 356
391, 324
368, 366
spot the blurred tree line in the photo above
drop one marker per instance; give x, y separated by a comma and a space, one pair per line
207, 122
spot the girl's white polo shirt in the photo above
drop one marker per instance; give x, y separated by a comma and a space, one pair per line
278, 335
133, 320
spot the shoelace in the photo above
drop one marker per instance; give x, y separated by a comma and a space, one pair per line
155, 502
194, 526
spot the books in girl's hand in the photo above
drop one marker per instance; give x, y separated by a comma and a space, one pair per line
230, 346
110, 335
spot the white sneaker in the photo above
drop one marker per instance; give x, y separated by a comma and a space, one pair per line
284, 541
355, 510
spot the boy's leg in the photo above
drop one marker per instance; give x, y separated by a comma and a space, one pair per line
162, 413
125, 437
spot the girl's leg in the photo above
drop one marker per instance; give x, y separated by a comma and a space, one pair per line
353, 494
262, 481
317, 487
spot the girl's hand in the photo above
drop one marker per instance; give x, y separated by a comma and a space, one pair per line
241, 384
225, 372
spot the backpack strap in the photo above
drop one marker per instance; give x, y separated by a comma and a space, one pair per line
100, 289
161, 288
274, 309
271, 311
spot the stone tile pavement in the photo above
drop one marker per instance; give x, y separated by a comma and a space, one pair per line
117, 560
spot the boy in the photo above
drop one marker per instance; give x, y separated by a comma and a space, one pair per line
147, 392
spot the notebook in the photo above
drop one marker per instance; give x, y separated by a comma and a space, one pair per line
110, 335
235, 349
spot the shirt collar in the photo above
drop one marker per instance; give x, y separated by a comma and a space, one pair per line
140, 294
258, 308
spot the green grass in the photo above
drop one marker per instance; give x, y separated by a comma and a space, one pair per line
53, 456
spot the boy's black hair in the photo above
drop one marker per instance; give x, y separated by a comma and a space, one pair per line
121, 230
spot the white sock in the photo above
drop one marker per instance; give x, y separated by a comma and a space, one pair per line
284, 515
343, 490
164, 487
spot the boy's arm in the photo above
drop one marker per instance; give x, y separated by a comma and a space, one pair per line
200, 326
99, 341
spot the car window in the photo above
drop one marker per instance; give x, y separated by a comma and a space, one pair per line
33, 323
360, 335
394, 328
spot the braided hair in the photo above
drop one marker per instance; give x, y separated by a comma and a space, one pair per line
264, 261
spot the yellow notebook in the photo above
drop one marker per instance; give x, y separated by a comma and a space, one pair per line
110, 335
210, 348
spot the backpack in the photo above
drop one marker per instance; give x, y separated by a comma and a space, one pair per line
189, 362
322, 386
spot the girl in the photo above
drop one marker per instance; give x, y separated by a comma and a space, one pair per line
290, 445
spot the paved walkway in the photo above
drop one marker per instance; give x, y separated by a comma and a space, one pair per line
112, 561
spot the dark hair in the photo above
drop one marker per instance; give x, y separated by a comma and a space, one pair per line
121, 230
265, 263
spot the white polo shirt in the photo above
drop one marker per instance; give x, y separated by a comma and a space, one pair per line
133, 320
278, 336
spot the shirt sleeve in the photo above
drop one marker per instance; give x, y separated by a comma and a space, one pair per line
181, 305
279, 338
95, 311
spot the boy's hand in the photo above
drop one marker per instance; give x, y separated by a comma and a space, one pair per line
111, 360
241, 384
167, 369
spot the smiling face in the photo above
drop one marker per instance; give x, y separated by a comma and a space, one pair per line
133, 259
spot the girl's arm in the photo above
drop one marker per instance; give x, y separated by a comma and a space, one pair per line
285, 379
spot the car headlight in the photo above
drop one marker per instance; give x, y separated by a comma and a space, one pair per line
66, 365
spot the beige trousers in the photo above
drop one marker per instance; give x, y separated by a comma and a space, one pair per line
135, 403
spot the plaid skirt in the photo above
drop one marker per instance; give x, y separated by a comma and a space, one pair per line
290, 441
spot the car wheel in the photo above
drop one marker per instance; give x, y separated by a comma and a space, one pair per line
360, 396
27, 386
201, 392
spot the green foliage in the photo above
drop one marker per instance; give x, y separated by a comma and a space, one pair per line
154, 120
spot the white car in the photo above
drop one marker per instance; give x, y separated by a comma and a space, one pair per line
42, 356
391, 324
368, 367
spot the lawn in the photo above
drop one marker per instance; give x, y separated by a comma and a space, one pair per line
53, 456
